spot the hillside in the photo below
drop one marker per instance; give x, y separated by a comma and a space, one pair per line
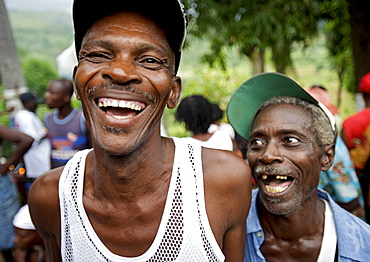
41, 34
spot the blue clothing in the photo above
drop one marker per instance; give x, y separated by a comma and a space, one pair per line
341, 180
67, 136
353, 233
9, 206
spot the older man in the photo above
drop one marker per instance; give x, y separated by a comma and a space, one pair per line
291, 140
138, 196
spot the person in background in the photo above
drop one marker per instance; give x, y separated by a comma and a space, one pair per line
37, 158
9, 203
291, 139
340, 180
29, 246
66, 125
138, 196
356, 135
321, 94
198, 114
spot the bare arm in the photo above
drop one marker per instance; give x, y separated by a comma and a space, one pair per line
228, 196
43, 202
23, 142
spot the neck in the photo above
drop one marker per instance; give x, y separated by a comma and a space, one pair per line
131, 176
305, 222
64, 111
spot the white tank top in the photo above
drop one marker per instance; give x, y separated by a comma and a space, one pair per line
184, 233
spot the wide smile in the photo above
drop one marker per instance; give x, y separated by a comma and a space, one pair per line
120, 109
276, 183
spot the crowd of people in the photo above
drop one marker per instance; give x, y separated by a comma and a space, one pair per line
286, 179
41, 146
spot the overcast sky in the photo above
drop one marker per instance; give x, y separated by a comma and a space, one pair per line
39, 5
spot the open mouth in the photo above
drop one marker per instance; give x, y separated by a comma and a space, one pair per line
276, 183
120, 109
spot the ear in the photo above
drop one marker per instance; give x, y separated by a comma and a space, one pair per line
175, 92
327, 158
73, 79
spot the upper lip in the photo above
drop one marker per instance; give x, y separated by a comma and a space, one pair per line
268, 176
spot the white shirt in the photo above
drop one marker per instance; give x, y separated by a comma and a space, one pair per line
37, 158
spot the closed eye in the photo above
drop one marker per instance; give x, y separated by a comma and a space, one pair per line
97, 57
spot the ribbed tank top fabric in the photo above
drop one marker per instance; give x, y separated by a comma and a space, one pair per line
184, 233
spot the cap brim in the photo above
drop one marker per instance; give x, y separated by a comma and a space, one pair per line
246, 100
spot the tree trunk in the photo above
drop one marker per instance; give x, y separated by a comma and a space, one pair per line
360, 33
258, 61
10, 68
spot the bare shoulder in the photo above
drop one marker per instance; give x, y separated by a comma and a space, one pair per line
43, 201
227, 190
225, 168
227, 180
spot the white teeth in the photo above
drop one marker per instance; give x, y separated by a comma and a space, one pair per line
114, 103
277, 177
119, 103
277, 189
122, 117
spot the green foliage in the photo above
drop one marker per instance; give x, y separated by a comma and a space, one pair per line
5, 146
253, 26
338, 40
41, 35
37, 74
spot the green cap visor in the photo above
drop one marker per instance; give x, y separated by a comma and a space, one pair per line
247, 99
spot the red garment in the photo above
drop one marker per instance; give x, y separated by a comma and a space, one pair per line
355, 126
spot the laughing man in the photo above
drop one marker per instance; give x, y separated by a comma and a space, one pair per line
137, 196
291, 139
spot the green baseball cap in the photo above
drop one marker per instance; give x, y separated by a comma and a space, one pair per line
247, 99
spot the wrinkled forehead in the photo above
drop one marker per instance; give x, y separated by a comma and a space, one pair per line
282, 117
128, 21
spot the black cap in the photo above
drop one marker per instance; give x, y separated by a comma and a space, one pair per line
168, 14
29, 96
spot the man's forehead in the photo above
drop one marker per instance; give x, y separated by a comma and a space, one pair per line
282, 116
126, 24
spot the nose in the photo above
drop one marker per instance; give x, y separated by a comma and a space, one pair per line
123, 72
271, 154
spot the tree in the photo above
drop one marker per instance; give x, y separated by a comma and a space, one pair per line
254, 27
337, 29
347, 28
360, 33
10, 69
38, 73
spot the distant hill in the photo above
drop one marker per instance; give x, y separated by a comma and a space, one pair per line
43, 35
39, 5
